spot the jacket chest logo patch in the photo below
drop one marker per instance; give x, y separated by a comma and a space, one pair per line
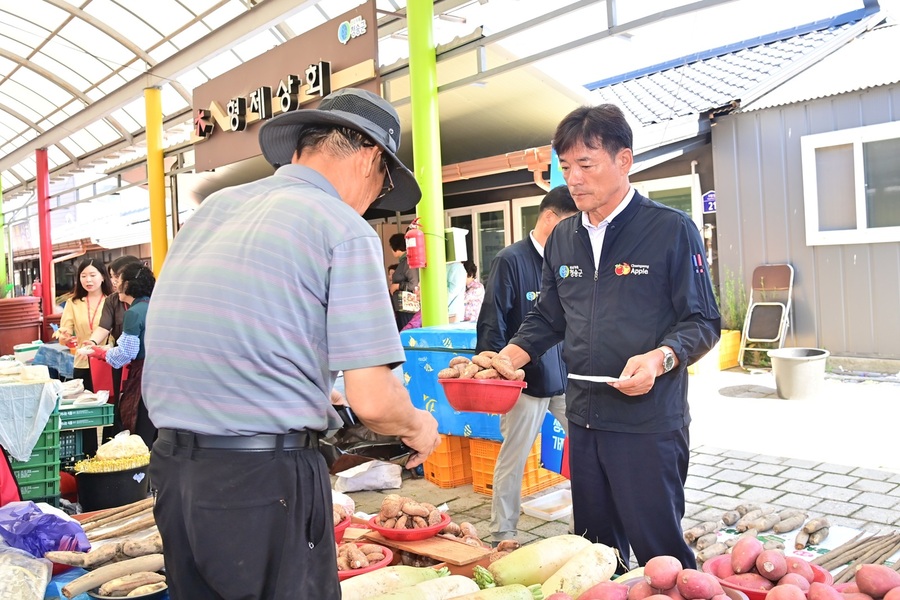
531, 296
624, 268
570, 271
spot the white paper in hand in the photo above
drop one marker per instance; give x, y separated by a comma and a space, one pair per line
597, 378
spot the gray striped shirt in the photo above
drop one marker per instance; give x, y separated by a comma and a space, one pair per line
268, 291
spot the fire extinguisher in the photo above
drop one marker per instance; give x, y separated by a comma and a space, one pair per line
415, 245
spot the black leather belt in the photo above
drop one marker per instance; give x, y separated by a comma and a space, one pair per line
260, 442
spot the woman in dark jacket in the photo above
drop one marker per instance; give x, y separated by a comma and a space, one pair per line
135, 287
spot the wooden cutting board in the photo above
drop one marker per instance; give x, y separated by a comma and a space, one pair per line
437, 548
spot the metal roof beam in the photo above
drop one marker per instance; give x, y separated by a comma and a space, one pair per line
263, 16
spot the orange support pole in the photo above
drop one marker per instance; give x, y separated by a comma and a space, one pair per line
46, 248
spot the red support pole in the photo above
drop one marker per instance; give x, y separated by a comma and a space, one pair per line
43, 201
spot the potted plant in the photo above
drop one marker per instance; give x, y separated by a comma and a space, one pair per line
731, 296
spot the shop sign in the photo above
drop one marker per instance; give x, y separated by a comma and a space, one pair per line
241, 111
293, 75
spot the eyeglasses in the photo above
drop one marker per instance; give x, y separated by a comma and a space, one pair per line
388, 182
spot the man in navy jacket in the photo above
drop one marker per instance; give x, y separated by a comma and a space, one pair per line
626, 285
512, 290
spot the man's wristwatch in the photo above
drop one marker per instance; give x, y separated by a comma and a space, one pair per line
668, 359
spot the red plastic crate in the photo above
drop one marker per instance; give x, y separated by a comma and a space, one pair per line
484, 456
450, 465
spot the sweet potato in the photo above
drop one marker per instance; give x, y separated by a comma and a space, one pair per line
794, 579
816, 524
641, 591
482, 361
766, 522
606, 590
722, 569
694, 584
894, 594
753, 581
661, 572
730, 517
771, 564
818, 536
448, 373
709, 552
788, 524
459, 360
800, 567
673, 594
706, 540
697, 531
744, 554
856, 596
487, 374
786, 592
876, 580
820, 591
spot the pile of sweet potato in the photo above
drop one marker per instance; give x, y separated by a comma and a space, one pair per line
871, 582
400, 512
750, 566
351, 556
484, 365
664, 575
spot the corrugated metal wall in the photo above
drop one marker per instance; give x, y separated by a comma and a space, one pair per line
846, 297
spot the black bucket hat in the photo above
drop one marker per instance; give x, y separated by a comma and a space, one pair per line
357, 109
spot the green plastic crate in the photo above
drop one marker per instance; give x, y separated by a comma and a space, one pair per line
71, 444
36, 472
49, 438
40, 489
93, 416
39, 456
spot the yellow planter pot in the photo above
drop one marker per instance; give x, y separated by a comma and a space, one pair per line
723, 355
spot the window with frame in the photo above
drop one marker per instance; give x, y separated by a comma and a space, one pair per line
851, 185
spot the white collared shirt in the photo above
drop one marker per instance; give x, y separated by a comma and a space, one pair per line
597, 232
537, 245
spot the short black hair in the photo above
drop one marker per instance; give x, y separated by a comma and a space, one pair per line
471, 268
602, 126
137, 280
559, 200
397, 242
118, 264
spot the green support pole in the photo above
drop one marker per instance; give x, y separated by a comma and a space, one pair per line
3, 283
427, 159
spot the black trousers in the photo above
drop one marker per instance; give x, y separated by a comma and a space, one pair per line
239, 525
628, 490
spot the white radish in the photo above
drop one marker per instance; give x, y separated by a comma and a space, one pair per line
583, 571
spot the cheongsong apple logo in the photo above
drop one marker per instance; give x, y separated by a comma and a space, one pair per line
623, 269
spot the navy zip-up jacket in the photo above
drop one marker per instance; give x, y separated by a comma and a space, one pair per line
511, 292
652, 288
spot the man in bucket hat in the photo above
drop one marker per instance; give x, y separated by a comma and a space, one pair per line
268, 291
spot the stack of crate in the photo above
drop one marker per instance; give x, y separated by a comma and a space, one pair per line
484, 456
75, 424
38, 477
449, 465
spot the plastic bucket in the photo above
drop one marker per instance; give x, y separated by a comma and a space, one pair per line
97, 491
799, 372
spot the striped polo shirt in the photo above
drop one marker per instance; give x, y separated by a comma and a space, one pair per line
268, 291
